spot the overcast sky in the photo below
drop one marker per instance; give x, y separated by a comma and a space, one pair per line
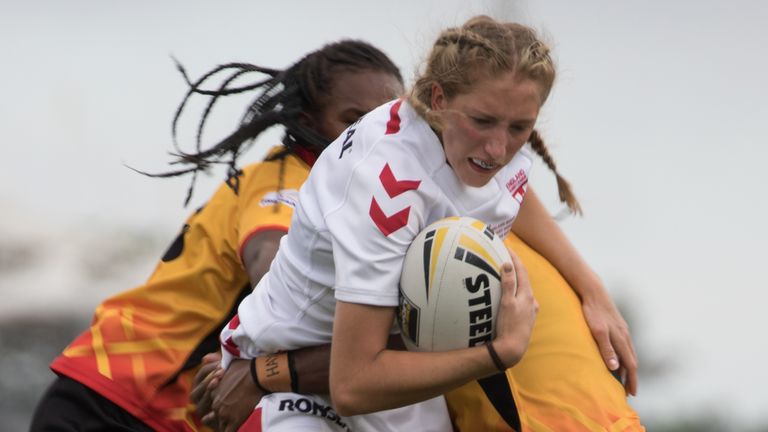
658, 119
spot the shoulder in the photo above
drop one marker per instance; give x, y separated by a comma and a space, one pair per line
390, 128
277, 163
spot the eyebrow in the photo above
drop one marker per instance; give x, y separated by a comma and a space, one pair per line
359, 112
475, 112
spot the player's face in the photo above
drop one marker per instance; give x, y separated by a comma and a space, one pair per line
353, 94
485, 127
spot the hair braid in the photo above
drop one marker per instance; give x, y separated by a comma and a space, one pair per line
212, 102
282, 96
194, 88
563, 187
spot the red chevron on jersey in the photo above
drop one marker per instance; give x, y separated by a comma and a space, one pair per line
388, 224
393, 186
393, 125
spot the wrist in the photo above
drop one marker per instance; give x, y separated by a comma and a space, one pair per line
495, 357
508, 352
587, 284
275, 373
255, 377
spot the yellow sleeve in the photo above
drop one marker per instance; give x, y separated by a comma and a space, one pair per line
266, 201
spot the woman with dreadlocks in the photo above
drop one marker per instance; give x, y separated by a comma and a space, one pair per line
134, 367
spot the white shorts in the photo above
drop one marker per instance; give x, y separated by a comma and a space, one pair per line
289, 412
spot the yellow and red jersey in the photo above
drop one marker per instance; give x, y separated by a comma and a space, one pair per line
561, 383
144, 345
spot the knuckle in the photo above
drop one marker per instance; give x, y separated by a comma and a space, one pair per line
600, 330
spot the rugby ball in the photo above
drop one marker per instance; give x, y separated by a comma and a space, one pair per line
450, 286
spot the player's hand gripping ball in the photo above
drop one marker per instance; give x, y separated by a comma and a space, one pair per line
451, 286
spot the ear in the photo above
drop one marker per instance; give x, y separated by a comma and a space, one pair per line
307, 119
438, 99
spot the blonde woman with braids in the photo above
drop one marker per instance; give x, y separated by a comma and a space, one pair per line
454, 147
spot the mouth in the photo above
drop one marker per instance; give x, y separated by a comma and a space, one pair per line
482, 165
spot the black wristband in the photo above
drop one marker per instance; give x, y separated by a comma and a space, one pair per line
294, 375
495, 357
255, 377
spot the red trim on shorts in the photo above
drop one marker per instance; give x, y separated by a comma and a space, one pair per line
253, 422
258, 230
393, 125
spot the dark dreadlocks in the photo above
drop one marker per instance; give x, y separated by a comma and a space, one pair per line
281, 97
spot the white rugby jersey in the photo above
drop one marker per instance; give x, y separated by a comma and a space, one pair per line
367, 197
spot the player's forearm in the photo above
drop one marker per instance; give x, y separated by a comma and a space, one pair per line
311, 367
398, 378
367, 377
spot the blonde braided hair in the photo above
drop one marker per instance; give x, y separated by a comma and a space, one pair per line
482, 48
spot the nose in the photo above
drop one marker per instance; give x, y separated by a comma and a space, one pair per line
496, 144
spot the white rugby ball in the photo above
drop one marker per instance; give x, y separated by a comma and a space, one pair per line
451, 285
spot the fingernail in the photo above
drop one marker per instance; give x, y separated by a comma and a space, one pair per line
507, 267
613, 364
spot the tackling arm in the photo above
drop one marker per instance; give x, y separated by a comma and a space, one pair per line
536, 227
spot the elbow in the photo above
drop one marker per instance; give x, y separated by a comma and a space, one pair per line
345, 401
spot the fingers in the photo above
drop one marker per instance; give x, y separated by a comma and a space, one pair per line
204, 371
198, 393
630, 383
210, 420
619, 355
628, 362
522, 283
201, 394
603, 338
202, 377
214, 357
508, 280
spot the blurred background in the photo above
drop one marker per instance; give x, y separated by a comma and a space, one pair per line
659, 119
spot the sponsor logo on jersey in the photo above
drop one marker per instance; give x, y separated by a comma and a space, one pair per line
311, 407
289, 197
394, 187
517, 185
347, 144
